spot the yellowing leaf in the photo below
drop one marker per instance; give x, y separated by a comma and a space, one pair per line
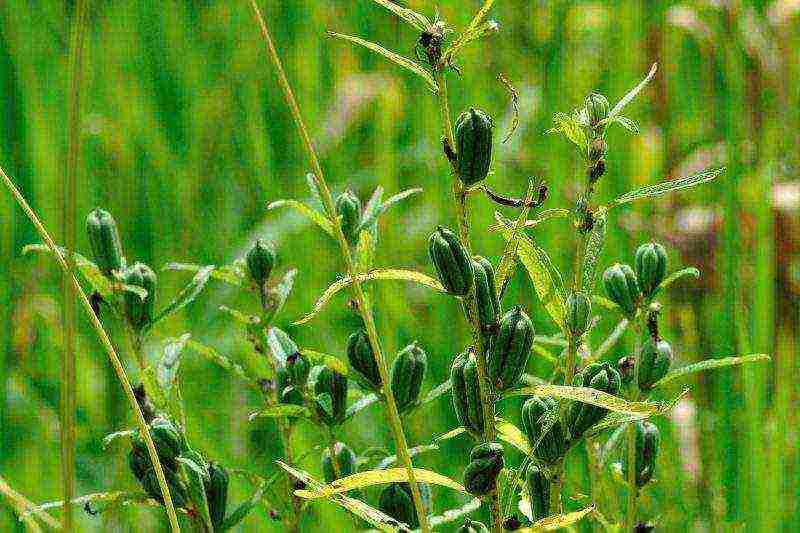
379, 477
511, 434
331, 361
314, 216
710, 364
418, 20
552, 523
590, 396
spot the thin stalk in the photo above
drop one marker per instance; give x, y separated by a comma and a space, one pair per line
633, 491
68, 310
355, 287
470, 302
556, 484
105, 340
23, 505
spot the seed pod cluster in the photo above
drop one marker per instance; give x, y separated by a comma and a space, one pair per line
537, 415
362, 360
648, 440
465, 392
260, 261
511, 348
330, 390
288, 390
485, 463
169, 445
408, 373
345, 460
538, 486
473, 137
597, 107
600, 376
453, 264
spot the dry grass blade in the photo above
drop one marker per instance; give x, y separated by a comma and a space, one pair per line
617, 109
379, 477
514, 104
25, 508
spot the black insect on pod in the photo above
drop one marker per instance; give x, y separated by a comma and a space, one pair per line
408, 373
538, 486
216, 488
465, 392
537, 415
452, 263
651, 266
473, 136
330, 389
579, 309
511, 348
485, 463
622, 287
599, 376
648, 440
138, 311
396, 501
656, 358
260, 261
104, 240
348, 206
471, 526
362, 360
596, 108
345, 461
486, 295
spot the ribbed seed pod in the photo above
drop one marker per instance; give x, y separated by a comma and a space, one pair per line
485, 294
177, 490
648, 440
596, 108
473, 136
537, 414
511, 348
656, 358
138, 459
345, 459
260, 261
485, 463
471, 526
362, 360
538, 491
466, 392
622, 287
651, 266
396, 501
348, 206
140, 312
452, 263
327, 383
408, 372
579, 310
288, 393
167, 439
104, 240
298, 367
217, 493
601, 376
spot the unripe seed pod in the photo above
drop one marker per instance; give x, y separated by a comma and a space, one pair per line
651, 266
579, 309
473, 136
597, 149
326, 381
511, 348
656, 358
622, 287
626, 366
140, 312
537, 414
177, 490
298, 367
396, 501
485, 294
167, 439
348, 206
138, 459
597, 170
288, 393
538, 491
217, 493
596, 108
362, 360
451, 261
600, 376
260, 261
648, 440
471, 526
104, 241
465, 392
345, 460
485, 464
408, 372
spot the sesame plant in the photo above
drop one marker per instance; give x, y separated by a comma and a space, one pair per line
590, 401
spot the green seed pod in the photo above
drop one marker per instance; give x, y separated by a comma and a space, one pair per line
485, 464
451, 261
345, 459
579, 309
537, 414
362, 360
288, 392
260, 261
177, 490
597, 149
622, 287
626, 366
325, 381
104, 241
656, 358
298, 367
648, 440
167, 439
485, 294
651, 266
511, 348
596, 108
138, 458
466, 392
348, 206
473, 136
217, 493
408, 372
140, 312
538, 491
471, 526
600, 376
396, 501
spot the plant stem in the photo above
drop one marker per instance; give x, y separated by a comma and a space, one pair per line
556, 483
24, 505
105, 340
392, 413
633, 490
470, 303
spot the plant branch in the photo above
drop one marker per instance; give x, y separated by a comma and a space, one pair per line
23, 505
357, 291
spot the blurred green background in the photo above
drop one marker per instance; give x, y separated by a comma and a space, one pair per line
185, 138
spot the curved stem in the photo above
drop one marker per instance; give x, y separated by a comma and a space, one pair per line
105, 340
392, 413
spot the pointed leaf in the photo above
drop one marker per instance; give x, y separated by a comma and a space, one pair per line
617, 109
659, 189
675, 276
413, 452
511, 434
314, 216
276, 295
450, 434
593, 252
111, 437
331, 361
98, 502
451, 515
553, 523
372, 209
280, 411
360, 405
379, 477
710, 364
508, 261
239, 514
223, 361
590, 396
626, 123
231, 274
613, 420
167, 368
186, 296
281, 345
418, 20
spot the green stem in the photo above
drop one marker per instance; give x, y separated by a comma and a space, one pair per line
633, 490
556, 484
392, 413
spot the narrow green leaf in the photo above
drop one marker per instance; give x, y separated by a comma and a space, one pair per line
186, 296
242, 318
450, 434
626, 123
372, 209
365, 250
223, 361
613, 420
314, 216
111, 437
404, 62
98, 502
413, 452
710, 364
231, 274
399, 197
331, 361
593, 252
451, 515
659, 189
571, 128
379, 477
276, 295
360, 405
590, 396
675, 276
281, 344
281, 410
508, 261
436, 392
418, 20
167, 367
239, 514
617, 109
154, 391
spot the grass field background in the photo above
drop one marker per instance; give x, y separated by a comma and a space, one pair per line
185, 139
